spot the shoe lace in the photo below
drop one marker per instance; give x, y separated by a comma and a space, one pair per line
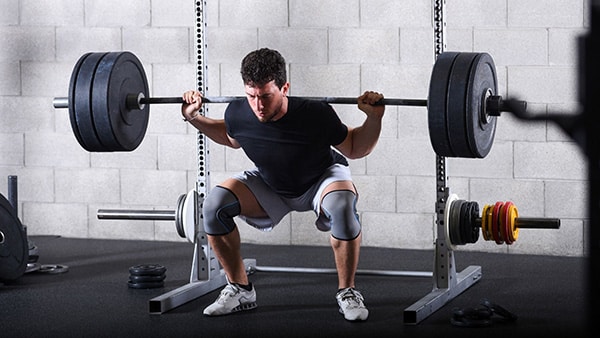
228, 292
352, 297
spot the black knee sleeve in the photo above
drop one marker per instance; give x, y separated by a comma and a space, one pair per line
218, 211
340, 208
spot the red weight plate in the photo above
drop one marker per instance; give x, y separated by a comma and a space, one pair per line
495, 225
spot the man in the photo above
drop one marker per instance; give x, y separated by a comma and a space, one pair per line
290, 141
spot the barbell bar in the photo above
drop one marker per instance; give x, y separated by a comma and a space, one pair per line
109, 102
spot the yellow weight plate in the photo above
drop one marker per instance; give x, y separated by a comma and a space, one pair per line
513, 214
484, 223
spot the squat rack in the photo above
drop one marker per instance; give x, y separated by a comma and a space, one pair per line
206, 274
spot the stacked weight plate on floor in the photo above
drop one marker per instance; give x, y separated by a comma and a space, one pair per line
146, 276
14, 248
459, 123
98, 111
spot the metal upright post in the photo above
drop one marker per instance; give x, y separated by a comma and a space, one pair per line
447, 284
206, 275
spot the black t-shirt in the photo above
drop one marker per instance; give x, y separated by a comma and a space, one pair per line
294, 151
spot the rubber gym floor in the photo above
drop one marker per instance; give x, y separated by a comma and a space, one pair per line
92, 299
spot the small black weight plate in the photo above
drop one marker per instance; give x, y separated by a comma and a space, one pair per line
147, 270
118, 75
481, 127
437, 104
146, 279
149, 285
53, 269
80, 102
14, 251
458, 103
474, 235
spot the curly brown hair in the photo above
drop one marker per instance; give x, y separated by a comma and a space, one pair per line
262, 66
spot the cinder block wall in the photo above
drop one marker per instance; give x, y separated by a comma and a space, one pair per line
334, 48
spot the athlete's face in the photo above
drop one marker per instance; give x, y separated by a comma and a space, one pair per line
268, 102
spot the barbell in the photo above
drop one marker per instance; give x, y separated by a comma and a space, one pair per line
109, 101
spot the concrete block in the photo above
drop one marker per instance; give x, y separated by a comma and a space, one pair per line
459, 39
117, 13
52, 13
11, 82
415, 194
401, 81
47, 80
26, 114
563, 44
416, 46
305, 232
377, 45
474, 13
68, 219
528, 46
173, 42
390, 13
324, 80
551, 160
527, 195
375, 193
145, 156
119, 229
255, 13
26, 43
87, 186
34, 184
552, 13
11, 149
177, 152
150, 187
178, 13
331, 13
299, 45
566, 241
172, 80
498, 163
391, 157
55, 150
230, 45
566, 199
394, 230
73, 42
10, 13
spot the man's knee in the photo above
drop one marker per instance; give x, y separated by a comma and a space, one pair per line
340, 208
218, 211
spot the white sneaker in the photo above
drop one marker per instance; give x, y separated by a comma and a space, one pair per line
351, 304
232, 299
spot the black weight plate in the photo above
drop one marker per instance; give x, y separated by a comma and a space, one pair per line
149, 285
481, 128
72, 96
147, 279
147, 270
179, 216
80, 102
454, 225
458, 103
118, 75
437, 103
474, 236
14, 251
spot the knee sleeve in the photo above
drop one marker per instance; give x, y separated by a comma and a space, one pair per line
218, 211
340, 208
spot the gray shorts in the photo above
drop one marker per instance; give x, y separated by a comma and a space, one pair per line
277, 206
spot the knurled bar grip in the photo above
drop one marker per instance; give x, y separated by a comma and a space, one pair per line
150, 215
532, 223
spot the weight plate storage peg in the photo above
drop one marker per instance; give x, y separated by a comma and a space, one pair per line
14, 249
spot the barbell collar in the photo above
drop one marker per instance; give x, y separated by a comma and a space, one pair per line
140, 215
531, 223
